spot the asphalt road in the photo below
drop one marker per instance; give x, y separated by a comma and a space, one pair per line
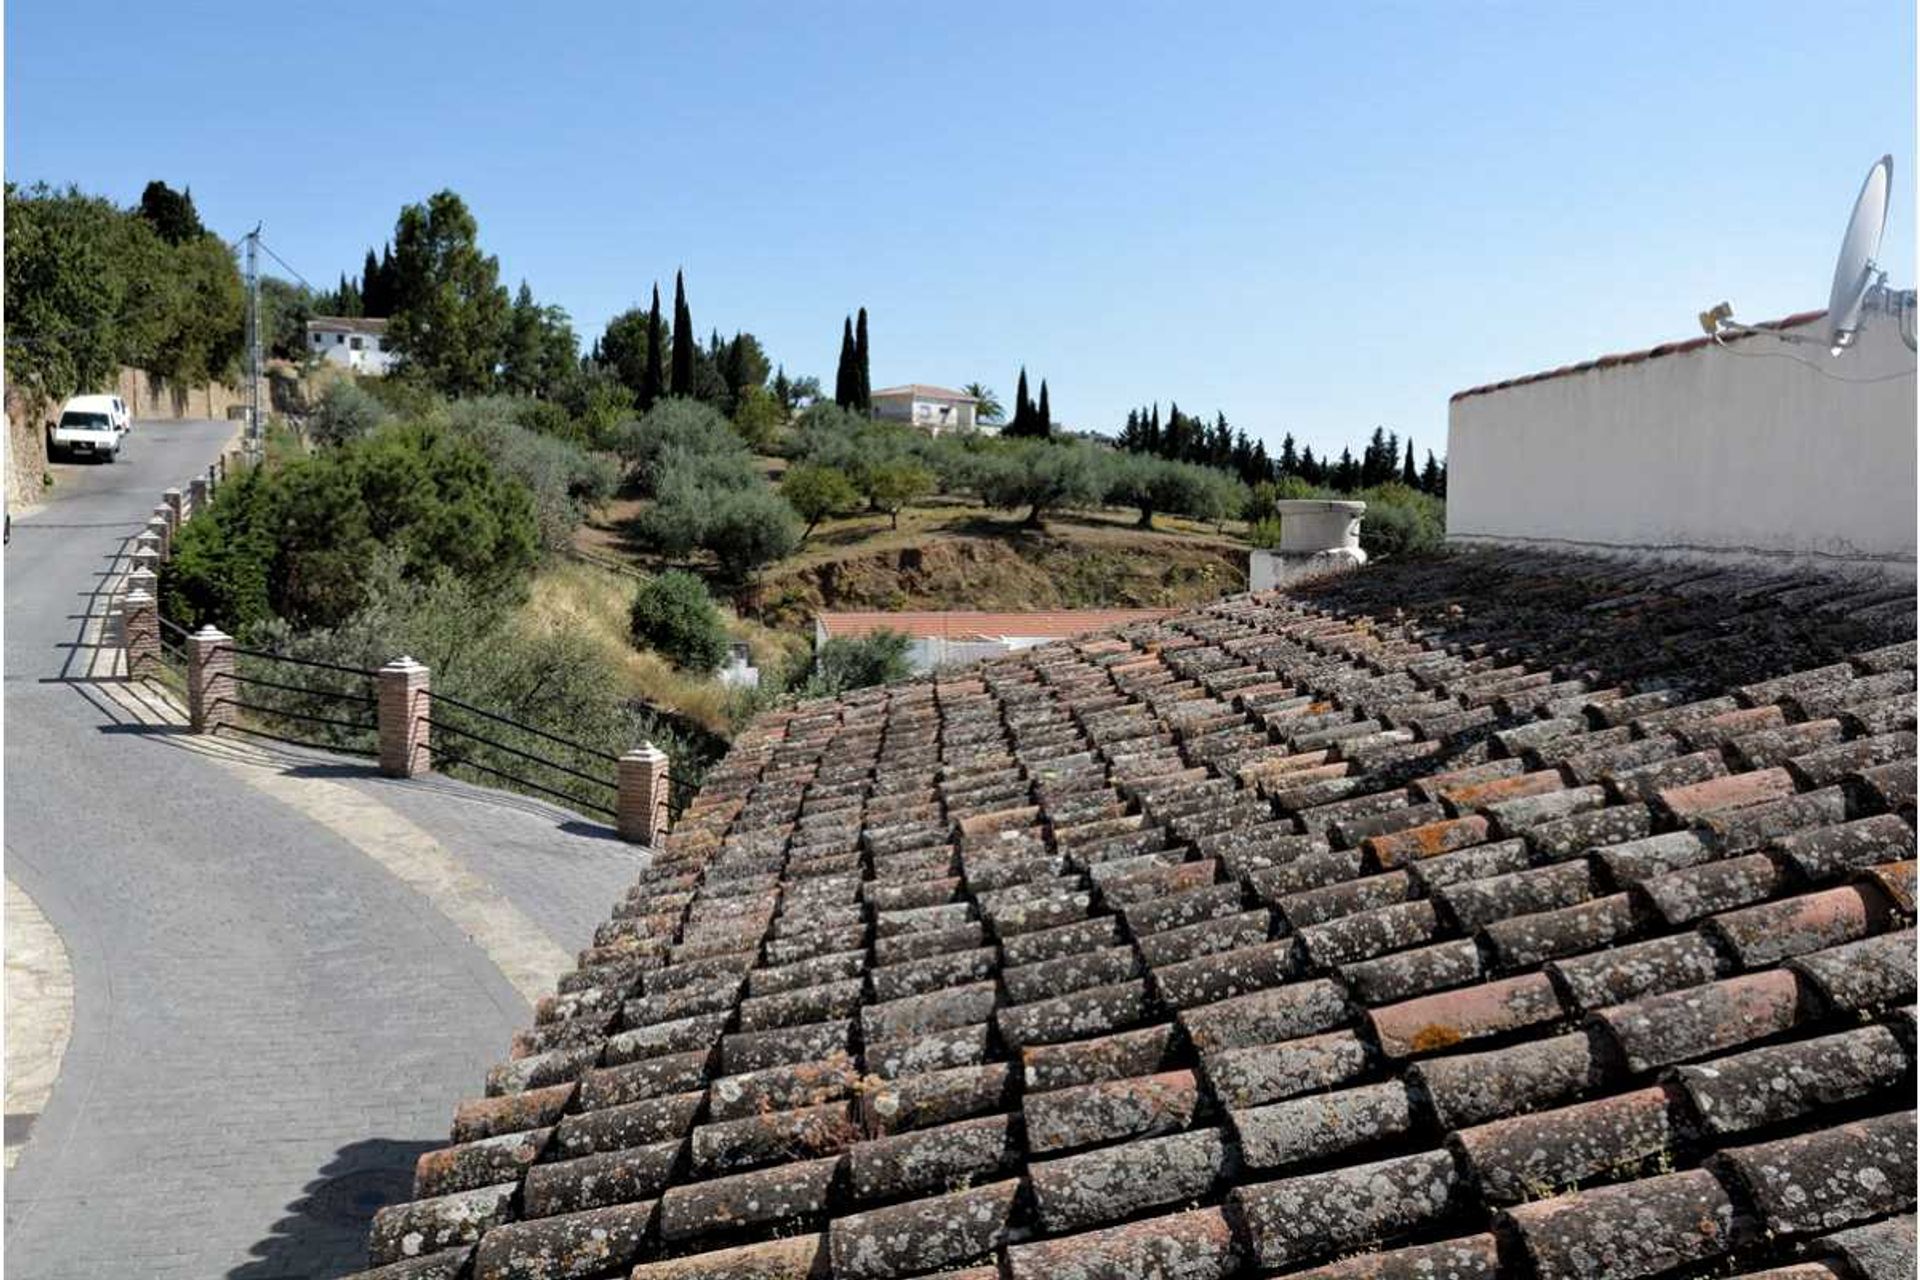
269, 1025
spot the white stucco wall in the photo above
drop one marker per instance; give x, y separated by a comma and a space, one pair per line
1725, 454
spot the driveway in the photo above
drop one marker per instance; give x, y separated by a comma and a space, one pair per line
279, 988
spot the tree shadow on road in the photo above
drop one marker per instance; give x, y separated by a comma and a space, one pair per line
324, 1230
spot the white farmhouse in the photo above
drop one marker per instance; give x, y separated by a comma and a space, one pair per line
350, 342
933, 409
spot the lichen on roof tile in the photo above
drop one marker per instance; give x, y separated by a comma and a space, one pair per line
1470, 913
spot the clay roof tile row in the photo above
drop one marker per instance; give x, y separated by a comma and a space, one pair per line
1476, 916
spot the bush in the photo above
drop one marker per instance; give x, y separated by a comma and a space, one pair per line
1265, 534
757, 418
555, 680
880, 657
674, 431
345, 412
299, 543
674, 615
566, 481
816, 492
1401, 521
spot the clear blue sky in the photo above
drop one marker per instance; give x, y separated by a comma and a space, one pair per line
1316, 220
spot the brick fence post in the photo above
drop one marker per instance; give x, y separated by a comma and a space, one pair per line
210, 686
405, 698
146, 554
197, 495
176, 506
641, 809
140, 632
159, 526
143, 579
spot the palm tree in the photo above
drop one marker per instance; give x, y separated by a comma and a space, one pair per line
987, 407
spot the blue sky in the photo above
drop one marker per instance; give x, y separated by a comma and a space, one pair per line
1316, 220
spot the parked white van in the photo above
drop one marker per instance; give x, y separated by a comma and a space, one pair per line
93, 426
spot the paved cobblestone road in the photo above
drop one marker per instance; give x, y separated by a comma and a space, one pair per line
268, 1025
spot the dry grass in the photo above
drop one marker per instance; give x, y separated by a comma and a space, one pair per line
592, 601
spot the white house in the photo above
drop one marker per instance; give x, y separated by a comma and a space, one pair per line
351, 342
945, 638
934, 409
1765, 449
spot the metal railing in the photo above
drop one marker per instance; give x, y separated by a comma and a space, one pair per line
330, 710
602, 787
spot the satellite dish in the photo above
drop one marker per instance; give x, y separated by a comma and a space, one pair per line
1856, 272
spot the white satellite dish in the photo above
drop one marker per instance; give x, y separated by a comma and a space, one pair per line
1855, 273
1859, 285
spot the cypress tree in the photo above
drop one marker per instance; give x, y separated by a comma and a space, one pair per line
1430, 476
843, 377
1156, 441
1408, 476
1043, 415
681, 383
653, 378
1289, 456
862, 365
1022, 422
370, 286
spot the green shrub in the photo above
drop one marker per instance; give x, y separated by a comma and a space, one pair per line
674, 431
1265, 534
299, 542
1401, 521
552, 680
345, 412
674, 615
566, 481
757, 418
879, 657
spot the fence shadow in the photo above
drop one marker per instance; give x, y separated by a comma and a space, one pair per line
323, 1232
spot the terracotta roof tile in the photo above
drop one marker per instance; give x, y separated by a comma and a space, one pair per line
1297, 926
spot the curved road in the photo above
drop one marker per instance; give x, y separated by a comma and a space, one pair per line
269, 1023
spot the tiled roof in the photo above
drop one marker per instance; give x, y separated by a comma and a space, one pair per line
1496, 914
924, 391
347, 324
956, 624
1635, 357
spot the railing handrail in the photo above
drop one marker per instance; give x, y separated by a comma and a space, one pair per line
270, 656
571, 799
437, 697
555, 765
337, 695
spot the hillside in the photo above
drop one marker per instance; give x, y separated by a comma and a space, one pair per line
961, 556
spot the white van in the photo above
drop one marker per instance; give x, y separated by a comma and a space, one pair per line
93, 426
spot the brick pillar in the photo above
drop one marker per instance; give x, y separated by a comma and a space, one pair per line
143, 580
176, 505
146, 555
197, 495
210, 686
161, 522
405, 696
140, 633
641, 809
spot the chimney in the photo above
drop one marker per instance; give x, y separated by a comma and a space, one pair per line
1318, 536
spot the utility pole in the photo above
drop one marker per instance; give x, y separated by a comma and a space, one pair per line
253, 339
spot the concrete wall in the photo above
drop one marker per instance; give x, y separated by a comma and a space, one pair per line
1758, 451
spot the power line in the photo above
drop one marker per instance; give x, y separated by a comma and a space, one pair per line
288, 265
